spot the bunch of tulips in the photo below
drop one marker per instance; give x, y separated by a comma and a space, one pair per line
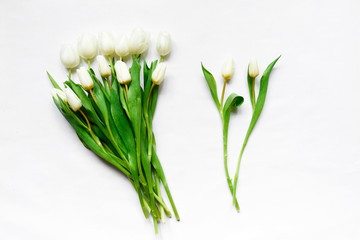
112, 113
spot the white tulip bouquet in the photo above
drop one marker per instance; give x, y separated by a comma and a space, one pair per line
112, 114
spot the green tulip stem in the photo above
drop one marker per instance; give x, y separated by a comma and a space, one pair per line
92, 95
91, 132
223, 93
151, 88
89, 63
108, 81
69, 73
126, 90
111, 65
225, 140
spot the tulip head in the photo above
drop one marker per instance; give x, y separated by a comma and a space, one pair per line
106, 43
253, 68
87, 46
104, 68
139, 41
69, 56
122, 46
159, 73
122, 72
73, 100
57, 94
85, 79
163, 44
228, 69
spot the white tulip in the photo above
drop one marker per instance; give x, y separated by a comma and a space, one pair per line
163, 45
106, 43
87, 46
122, 72
253, 68
85, 78
228, 69
104, 68
159, 73
139, 41
57, 94
122, 46
73, 100
69, 56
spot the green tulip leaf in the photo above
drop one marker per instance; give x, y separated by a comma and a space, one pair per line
123, 100
53, 82
101, 102
232, 101
101, 87
134, 103
160, 172
120, 120
212, 85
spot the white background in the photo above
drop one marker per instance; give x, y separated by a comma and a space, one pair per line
300, 174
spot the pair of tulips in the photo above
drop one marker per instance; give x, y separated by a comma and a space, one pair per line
233, 101
228, 69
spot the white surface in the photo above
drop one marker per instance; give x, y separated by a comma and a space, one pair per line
300, 175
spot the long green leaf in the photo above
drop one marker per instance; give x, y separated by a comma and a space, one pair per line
160, 172
121, 121
145, 161
54, 83
154, 94
101, 102
123, 100
134, 102
231, 102
212, 85
101, 87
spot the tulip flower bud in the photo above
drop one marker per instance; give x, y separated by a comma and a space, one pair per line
122, 46
163, 45
57, 94
122, 72
139, 41
228, 69
73, 100
104, 68
253, 68
106, 43
159, 73
69, 56
85, 78
87, 46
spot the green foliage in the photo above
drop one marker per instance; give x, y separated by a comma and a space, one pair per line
212, 85
118, 128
